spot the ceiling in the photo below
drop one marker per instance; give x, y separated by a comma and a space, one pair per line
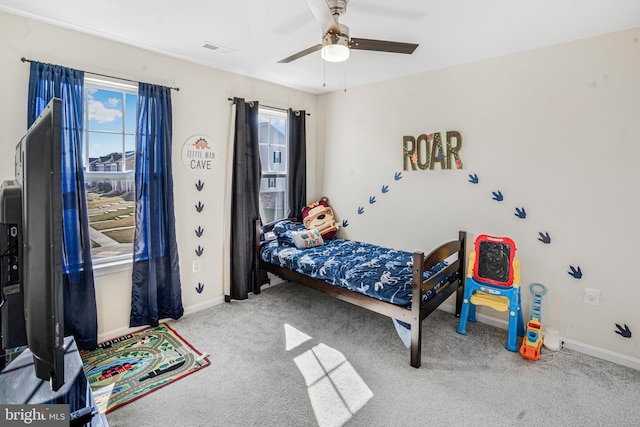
252, 35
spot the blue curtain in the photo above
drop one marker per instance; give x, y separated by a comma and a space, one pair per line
156, 292
45, 82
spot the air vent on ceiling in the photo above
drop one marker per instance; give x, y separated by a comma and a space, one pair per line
218, 48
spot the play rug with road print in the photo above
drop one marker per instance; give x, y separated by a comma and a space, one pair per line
126, 368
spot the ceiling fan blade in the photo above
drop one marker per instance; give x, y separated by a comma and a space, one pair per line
300, 54
382, 46
322, 13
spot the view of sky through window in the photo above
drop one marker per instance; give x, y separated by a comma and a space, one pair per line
109, 113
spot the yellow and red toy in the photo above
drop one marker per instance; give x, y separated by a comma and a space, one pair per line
532, 341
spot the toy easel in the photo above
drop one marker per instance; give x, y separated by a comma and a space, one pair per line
530, 348
493, 280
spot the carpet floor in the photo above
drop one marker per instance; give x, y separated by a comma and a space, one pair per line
292, 356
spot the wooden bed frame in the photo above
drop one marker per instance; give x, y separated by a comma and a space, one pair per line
413, 316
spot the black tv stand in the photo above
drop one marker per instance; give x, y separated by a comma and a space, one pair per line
19, 385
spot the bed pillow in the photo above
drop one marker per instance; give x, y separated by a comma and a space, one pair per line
287, 225
283, 230
286, 238
307, 238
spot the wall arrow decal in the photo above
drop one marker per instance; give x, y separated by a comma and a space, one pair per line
626, 332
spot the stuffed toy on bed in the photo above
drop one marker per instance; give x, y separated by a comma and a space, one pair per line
319, 215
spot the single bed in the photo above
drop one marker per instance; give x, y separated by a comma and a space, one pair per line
383, 280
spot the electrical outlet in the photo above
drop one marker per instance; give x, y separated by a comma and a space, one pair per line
591, 296
196, 266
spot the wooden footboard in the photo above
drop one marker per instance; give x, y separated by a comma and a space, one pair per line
453, 251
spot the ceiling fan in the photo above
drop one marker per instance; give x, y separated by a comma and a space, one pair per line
336, 42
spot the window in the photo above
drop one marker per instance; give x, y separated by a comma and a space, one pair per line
109, 162
272, 138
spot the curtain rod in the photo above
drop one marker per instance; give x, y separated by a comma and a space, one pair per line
177, 89
274, 108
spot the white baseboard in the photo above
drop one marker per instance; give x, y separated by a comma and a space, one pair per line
587, 349
117, 333
601, 353
204, 305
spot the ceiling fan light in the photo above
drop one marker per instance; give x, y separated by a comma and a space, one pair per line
335, 53
335, 48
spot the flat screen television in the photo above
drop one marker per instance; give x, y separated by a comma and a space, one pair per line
38, 178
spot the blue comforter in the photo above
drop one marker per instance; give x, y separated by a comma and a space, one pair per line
381, 273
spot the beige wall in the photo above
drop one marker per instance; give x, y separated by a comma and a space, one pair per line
556, 130
200, 107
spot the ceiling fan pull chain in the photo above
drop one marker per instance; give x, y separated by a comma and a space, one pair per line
345, 76
324, 73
